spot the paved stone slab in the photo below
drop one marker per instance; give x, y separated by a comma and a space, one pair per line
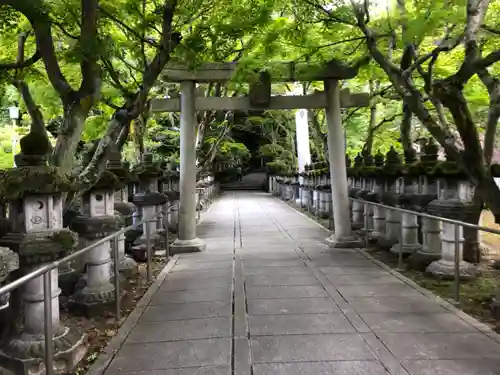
180, 311
169, 355
200, 295
453, 367
404, 303
304, 348
373, 270
188, 283
202, 266
362, 278
277, 271
180, 330
257, 306
416, 322
204, 257
273, 263
299, 324
440, 345
379, 290
185, 371
286, 292
269, 280
321, 368
300, 308
270, 255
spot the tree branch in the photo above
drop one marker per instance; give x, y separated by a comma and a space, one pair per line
88, 42
26, 63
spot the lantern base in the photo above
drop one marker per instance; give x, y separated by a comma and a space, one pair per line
343, 242
24, 355
187, 246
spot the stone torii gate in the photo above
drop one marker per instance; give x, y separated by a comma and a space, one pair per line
259, 98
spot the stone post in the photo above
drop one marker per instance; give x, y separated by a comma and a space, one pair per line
379, 224
390, 197
187, 241
122, 206
454, 202
98, 220
409, 222
367, 173
358, 208
38, 237
343, 237
147, 199
431, 229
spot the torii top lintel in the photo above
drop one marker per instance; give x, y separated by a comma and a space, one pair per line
278, 71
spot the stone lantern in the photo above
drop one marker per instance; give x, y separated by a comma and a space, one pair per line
38, 237
127, 265
454, 201
390, 197
379, 226
324, 189
351, 182
407, 193
358, 209
98, 220
148, 199
431, 229
366, 172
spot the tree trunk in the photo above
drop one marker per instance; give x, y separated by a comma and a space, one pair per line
70, 133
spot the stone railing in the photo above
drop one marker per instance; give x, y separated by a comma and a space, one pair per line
33, 237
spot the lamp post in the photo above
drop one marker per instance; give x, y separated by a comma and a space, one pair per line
14, 115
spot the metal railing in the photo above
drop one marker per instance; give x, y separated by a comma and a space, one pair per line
45, 271
457, 237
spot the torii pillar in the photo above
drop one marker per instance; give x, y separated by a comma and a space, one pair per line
303, 149
342, 236
187, 241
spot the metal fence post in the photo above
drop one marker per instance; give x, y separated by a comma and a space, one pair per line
114, 244
47, 315
148, 250
456, 281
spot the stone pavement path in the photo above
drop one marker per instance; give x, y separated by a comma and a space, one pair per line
269, 298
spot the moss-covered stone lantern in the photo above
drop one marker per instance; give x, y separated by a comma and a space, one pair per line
121, 170
392, 172
431, 229
38, 237
98, 220
148, 199
358, 208
454, 201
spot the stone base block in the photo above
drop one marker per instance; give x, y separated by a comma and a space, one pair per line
357, 226
343, 242
187, 246
91, 302
444, 269
420, 260
24, 355
68, 280
495, 306
139, 250
128, 267
407, 249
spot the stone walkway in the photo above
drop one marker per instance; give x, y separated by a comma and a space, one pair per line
269, 298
